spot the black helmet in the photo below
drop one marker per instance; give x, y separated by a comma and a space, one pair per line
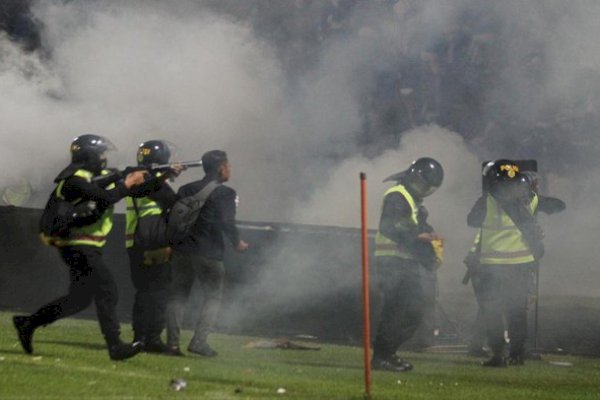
154, 152
504, 180
88, 150
424, 176
500, 170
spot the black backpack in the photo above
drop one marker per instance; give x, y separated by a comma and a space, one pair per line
150, 231
185, 212
60, 215
57, 217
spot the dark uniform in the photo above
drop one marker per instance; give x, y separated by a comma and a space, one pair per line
81, 250
400, 256
480, 282
509, 251
200, 256
150, 267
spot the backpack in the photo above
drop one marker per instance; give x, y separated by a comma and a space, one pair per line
60, 215
151, 230
185, 212
57, 217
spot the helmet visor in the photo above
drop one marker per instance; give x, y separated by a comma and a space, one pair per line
422, 188
174, 151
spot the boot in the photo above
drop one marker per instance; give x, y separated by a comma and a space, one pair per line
396, 360
173, 350
390, 364
25, 331
202, 348
155, 345
121, 351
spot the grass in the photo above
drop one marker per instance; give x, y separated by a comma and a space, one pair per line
70, 362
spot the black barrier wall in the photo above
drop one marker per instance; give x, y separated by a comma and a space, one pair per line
295, 279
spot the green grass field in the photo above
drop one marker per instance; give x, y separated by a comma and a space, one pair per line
70, 362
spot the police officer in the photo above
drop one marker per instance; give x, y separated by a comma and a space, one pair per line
403, 246
510, 247
81, 248
149, 262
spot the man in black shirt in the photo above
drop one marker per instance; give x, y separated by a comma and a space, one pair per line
201, 255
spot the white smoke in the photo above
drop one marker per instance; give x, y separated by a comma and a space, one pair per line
141, 70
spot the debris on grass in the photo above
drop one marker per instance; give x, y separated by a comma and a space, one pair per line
561, 363
177, 384
305, 337
282, 343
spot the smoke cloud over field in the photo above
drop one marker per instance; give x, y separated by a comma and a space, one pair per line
296, 123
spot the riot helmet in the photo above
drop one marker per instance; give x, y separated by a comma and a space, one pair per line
155, 152
424, 176
503, 179
89, 150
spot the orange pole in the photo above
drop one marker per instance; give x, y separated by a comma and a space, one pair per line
365, 284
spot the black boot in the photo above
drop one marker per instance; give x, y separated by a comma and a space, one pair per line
119, 351
155, 345
173, 350
390, 364
25, 331
396, 360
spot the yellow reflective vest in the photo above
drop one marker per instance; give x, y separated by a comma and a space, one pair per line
501, 240
385, 247
90, 235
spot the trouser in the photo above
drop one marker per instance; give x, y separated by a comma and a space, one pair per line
211, 275
399, 283
478, 336
90, 280
504, 298
425, 333
151, 283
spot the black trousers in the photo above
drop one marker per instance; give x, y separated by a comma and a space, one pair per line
151, 283
504, 298
399, 283
90, 281
478, 334
425, 333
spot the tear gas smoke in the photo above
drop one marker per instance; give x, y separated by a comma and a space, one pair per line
205, 76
